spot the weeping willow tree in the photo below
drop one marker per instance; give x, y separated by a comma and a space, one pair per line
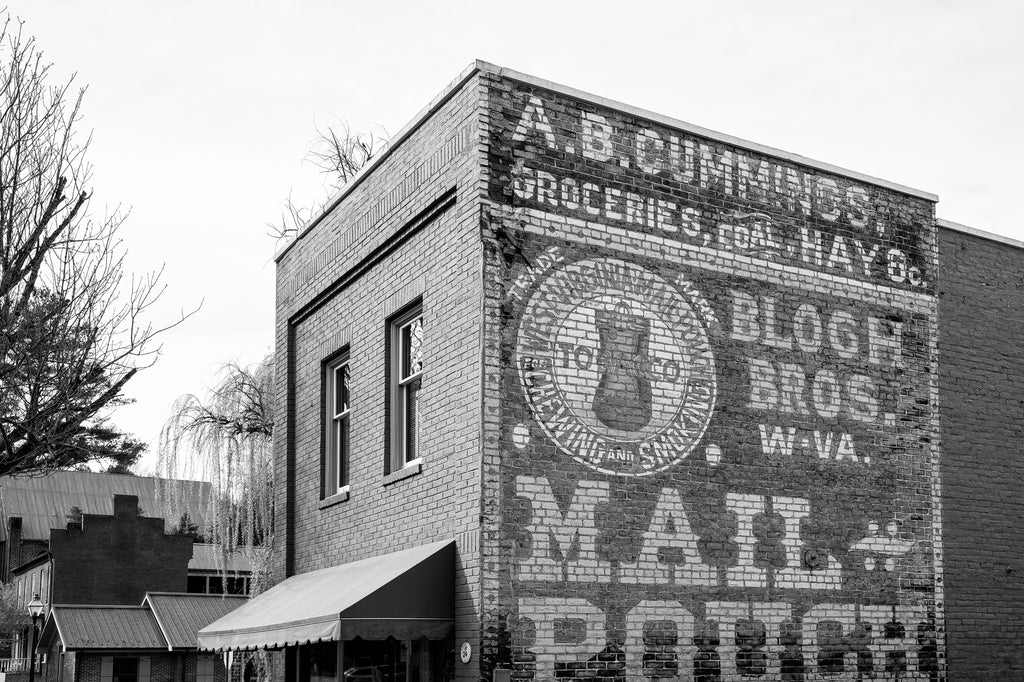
227, 439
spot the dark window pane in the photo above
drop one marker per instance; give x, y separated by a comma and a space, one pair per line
342, 454
216, 585
197, 584
340, 389
412, 400
126, 669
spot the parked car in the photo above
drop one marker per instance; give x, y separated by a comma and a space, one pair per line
369, 673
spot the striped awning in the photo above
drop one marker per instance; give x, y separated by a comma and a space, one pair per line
405, 595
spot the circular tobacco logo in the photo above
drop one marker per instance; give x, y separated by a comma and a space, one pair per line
616, 366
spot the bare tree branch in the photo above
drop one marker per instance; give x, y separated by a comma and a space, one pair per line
339, 154
72, 323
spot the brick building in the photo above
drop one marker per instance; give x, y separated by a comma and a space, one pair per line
107, 559
114, 560
32, 506
670, 399
154, 642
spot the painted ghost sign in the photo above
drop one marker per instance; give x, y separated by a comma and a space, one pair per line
881, 242
616, 366
717, 417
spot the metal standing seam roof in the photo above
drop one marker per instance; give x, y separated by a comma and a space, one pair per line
43, 502
181, 616
104, 627
207, 557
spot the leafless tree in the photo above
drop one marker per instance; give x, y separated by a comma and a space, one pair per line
227, 438
339, 154
73, 327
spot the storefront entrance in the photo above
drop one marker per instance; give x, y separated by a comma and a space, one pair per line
376, 660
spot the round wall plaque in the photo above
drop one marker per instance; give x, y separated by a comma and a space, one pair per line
616, 365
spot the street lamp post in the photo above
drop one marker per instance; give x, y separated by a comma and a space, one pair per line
35, 609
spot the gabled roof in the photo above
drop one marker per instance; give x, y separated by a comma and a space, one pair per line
164, 621
206, 557
103, 627
43, 502
181, 616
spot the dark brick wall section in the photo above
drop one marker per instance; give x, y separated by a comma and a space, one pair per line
117, 559
18, 550
163, 667
714, 448
981, 382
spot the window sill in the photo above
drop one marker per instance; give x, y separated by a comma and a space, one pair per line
336, 498
411, 469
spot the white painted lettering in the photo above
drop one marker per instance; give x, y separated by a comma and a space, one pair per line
562, 542
745, 573
669, 530
534, 120
564, 629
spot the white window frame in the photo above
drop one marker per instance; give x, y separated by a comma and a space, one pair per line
406, 384
337, 449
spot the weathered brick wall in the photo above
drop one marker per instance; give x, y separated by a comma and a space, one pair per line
981, 401
711, 431
163, 667
17, 549
439, 264
117, 559
90, 667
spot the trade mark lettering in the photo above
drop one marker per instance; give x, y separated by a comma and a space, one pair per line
616, 366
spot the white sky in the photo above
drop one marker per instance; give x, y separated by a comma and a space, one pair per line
202, 112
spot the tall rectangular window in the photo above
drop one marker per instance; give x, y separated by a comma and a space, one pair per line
407, 361
336, 454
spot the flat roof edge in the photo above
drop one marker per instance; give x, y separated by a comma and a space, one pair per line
482, 66
703, 132
426, 112
991, 236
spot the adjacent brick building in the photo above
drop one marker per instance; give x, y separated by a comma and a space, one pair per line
111, 559
981, 406
673, 397
154, 642
115, 560
32, 506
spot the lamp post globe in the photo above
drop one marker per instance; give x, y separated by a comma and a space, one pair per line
35, 609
